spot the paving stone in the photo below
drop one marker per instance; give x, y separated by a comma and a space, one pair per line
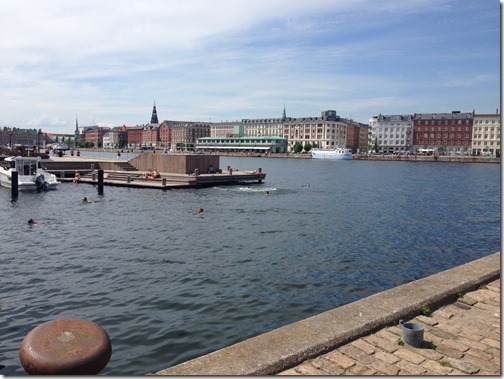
360, 370
456, 311
455, 345
475, 296
450, 326
385, 334
463, 366
384, 367
431, 354
395, 330
308, 369
357, 354
404, 373
410, 367
409, 356
449, 352
427, 320
491, 342
443, 334
479, 354
434, 368
492, 350
483, 364
472, 344
381, 343
364, 346
290, 371
466, 299
488, 294
462, 304
340, 359
328, 366
444, 313
484, 305
386, 357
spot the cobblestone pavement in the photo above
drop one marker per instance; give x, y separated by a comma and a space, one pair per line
462, 338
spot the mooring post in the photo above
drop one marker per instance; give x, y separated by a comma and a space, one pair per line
62, 174
128, 178
100, 182
65, 347
14, 184
164, 182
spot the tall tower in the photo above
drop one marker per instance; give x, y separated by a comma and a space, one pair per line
76, 133
154, 119
284, 116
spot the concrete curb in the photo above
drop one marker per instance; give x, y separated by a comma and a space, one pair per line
290, 345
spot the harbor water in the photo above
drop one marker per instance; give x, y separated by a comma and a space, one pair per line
169, 285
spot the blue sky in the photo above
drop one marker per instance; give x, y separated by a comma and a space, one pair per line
107, 61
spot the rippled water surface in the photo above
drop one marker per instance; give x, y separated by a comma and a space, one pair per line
169, 285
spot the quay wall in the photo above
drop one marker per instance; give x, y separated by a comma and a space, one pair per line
288, 346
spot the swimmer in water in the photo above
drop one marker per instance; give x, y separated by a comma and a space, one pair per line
32, 222
200, 211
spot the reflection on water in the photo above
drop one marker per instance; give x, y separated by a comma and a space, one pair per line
169, 285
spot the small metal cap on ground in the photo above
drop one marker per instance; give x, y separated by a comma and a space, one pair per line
65, 347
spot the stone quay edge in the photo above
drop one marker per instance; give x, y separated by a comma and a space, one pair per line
288, 346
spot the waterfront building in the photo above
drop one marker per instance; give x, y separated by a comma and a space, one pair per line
244, 144
19, 136
150, 135
390, 133
226, 129
135, 134
328, 131
165, 134
186, 133
486, 134
446, 133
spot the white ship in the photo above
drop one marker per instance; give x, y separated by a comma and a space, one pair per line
334, 154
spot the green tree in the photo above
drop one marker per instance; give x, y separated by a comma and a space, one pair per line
376, 144
298, 147
307, 147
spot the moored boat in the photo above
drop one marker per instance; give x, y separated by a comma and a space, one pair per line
334, 154
31, 175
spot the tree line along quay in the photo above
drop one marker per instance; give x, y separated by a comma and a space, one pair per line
453, 133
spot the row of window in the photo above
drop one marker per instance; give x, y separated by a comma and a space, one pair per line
432, 129
485, 122
485, 143
486, 129
441, 122
444, 142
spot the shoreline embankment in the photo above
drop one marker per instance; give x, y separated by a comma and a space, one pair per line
283, 348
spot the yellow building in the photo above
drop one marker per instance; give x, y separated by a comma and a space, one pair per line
486, 134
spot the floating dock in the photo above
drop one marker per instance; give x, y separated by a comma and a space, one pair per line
186, 171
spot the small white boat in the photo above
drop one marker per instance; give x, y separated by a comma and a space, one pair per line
31, 175
334, 154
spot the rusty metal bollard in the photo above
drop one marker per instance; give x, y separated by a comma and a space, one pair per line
65, 347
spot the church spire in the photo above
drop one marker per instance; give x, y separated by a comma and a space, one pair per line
284, 116
76, 133
154, 119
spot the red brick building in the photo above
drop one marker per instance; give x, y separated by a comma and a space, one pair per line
446, 133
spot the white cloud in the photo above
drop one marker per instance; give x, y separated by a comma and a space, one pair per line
110, 60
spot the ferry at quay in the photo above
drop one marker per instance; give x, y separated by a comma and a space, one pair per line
333, 154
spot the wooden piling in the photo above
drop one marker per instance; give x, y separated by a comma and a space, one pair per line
100, 182
14, 184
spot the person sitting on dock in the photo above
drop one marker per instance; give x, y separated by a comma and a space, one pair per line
77, 177
148, 174
155, 174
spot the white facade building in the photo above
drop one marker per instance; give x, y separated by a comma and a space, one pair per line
392, 133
